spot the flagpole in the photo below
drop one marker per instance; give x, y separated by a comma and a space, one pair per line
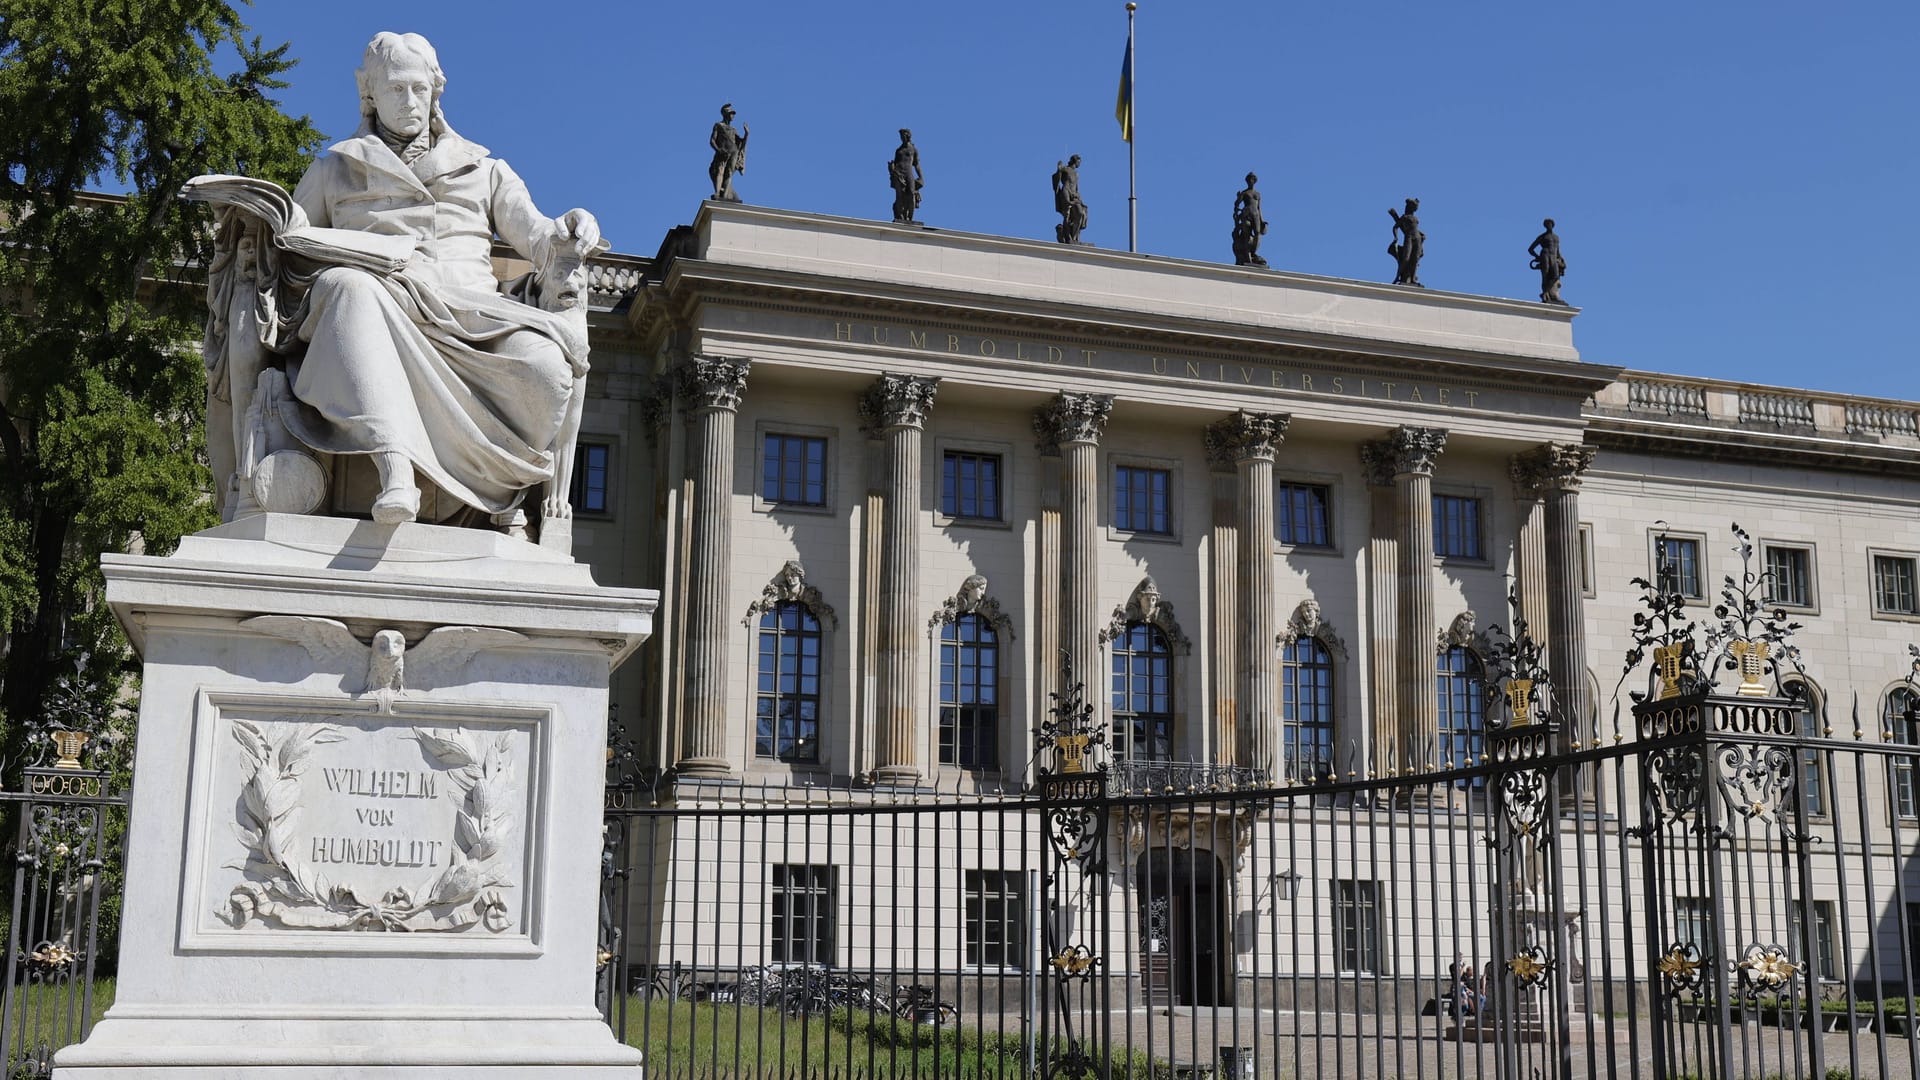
1133, 194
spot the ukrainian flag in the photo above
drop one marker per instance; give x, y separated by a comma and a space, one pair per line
1123, 105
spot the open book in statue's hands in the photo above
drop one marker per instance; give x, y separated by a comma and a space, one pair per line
287, 224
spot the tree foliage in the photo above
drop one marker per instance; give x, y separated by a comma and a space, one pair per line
102, 448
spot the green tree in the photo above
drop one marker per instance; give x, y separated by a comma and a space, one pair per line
103, 444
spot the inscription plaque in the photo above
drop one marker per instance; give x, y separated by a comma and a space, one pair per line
340, 820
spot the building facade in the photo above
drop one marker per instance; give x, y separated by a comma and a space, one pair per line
895, 484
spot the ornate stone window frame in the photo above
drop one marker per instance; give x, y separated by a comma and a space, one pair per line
765, 427
1307, 621
790, 585
1463, 631
974, 597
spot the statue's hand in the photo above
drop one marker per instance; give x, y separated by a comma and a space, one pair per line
581, 229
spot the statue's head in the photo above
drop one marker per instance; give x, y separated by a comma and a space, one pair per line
1549, 224
1074, 161
726, 111
400, 84
1412, 205
1252, 179
906, 135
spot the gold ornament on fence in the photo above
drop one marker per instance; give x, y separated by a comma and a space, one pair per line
67, 744
1519, 699
1073, 752
1666, 663
1752, 657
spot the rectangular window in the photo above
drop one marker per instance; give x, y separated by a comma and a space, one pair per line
1826, 968
996, 911
1893, 585
589, 494
787, 694
1303, 515
1456, 527
970, 485
1142, 499
794, 470
802, 908
969, 693
1356, 925
1906, 799
1790, 581
1676, 566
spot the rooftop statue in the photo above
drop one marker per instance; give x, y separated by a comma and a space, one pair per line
906, 179
1249, 225
729, 154
360, 319
1407, 250
1545, 250
1067, 202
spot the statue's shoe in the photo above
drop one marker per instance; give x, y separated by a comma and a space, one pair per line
397, 505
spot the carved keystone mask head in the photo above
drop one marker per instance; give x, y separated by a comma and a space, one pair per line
400, 85
1308, 613
974, 589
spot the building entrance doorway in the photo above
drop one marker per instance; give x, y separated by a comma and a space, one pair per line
1183, 927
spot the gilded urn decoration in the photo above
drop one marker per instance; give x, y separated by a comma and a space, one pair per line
1667, 661
1751, 656
1519, 699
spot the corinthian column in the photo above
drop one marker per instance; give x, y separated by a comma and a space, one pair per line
1530, 548
1250, 439
896, 406
1419, 721
1223, 624
1074, 423
710, 389
1556, 469
1383, 606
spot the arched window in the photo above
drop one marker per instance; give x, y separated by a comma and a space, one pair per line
1806, 724
1142, 694
1306, 710
1906, 799
787, 697
969, 693
1463, 715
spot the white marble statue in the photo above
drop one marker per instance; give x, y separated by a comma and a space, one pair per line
364, 318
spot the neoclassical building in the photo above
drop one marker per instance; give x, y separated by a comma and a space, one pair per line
889, 479
894, 484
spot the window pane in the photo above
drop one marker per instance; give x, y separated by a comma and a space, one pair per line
794, 470
787, 689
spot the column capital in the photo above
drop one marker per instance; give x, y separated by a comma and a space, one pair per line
713, 382
1550, 467
1376, 463
894, 401
1412, 449
1245, 436
1071, 418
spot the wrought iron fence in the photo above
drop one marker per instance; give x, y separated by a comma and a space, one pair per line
69, 816
1721, 885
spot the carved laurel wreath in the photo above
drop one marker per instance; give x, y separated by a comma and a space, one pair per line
290, 892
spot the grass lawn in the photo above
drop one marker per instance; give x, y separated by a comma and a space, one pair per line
684, 1039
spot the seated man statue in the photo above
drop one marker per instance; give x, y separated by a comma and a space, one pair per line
364, 317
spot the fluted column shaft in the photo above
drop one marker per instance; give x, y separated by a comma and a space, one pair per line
1419, 719
1555, 470
711, 389
1251, 440
1530, 556
1223, 629
897, 406
1383, 608
1074, 423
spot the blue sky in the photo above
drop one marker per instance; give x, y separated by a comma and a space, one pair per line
1728, 181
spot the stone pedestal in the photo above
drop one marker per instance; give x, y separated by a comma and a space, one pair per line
365, 833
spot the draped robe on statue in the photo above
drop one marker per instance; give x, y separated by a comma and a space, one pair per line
433, 361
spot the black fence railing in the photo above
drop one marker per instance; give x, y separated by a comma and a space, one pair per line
1181, 777
1725, 891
